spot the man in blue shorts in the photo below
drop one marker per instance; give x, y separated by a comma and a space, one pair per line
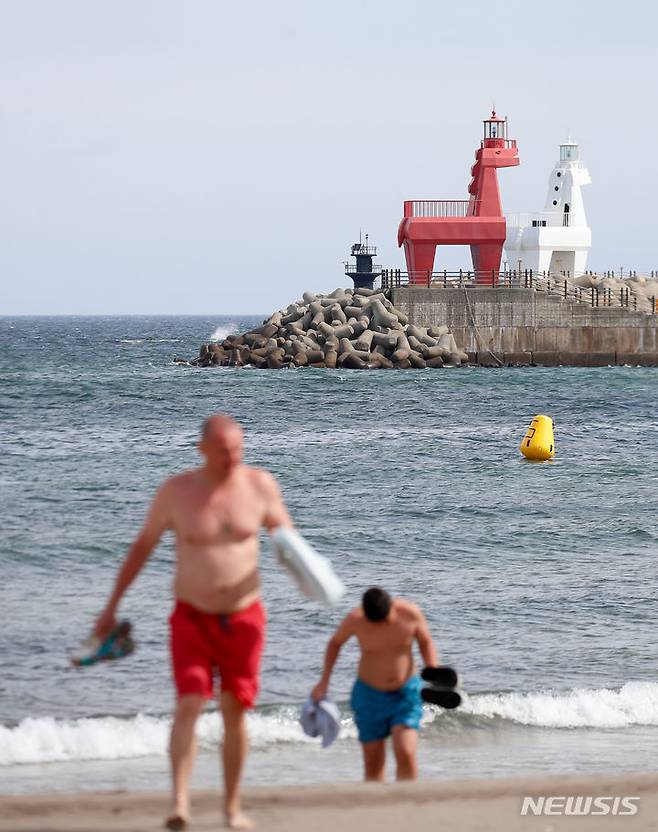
386, 695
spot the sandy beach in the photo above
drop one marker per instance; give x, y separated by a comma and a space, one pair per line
490, 805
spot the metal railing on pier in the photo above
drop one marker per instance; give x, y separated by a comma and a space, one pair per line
391, 278
561, 285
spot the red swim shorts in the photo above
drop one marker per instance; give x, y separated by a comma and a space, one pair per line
233, 644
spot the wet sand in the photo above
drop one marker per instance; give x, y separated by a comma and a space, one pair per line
492, 805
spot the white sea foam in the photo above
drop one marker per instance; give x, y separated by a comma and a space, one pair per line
636, 703
45, 739
150, 341
223, 332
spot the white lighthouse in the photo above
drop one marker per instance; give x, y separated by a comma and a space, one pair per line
558, 240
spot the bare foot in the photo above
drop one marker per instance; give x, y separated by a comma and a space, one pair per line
176, 823
236, 820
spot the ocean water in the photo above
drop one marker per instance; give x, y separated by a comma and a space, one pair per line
539, 581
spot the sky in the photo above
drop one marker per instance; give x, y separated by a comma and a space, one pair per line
201, 156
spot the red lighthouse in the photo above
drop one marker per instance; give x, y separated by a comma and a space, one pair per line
478, 221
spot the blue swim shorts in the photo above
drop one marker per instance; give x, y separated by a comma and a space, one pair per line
377, 711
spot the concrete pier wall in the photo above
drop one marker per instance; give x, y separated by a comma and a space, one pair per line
528, 326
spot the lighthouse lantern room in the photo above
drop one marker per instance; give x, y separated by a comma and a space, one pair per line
495, 128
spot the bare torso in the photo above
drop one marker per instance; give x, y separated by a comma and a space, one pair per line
216, 528
386, 646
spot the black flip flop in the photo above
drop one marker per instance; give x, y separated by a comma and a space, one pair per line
444, 698
442, 676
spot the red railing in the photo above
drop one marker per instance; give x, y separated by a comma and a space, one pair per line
436, 207
507, 144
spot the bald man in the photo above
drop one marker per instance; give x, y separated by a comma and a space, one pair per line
216, 512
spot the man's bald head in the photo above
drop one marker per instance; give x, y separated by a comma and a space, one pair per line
219, 424
221, 444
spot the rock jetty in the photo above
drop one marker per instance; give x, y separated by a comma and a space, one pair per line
357, 330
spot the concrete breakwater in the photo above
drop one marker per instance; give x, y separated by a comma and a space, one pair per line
527, 326
358, 330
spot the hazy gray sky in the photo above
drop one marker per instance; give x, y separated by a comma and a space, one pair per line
220, 157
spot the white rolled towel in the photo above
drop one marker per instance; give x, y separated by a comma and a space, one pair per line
312, 572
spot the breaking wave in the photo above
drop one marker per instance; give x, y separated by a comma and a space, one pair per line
636, 703
46, 739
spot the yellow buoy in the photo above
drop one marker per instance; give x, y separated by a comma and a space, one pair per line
538, 444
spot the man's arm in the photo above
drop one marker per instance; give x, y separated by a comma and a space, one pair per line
276, 513
425, 643
155, 524
342, 634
